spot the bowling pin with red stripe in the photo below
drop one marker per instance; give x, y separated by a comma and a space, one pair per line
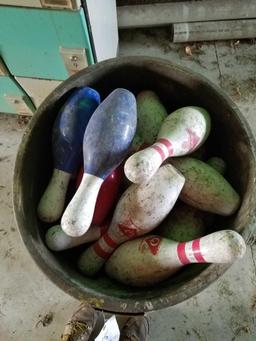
140, 209
181, 133
149, 260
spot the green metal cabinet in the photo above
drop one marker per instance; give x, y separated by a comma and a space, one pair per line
43, 42
32, 40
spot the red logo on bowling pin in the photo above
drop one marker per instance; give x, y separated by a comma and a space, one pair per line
128, 229
151, 243
192, 141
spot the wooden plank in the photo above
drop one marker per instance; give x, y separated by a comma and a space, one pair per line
214, 30
185, 11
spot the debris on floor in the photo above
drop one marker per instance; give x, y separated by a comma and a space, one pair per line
45, 320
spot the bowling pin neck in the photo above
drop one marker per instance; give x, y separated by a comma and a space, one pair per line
219, 247
77, 217
141, 165
52, 202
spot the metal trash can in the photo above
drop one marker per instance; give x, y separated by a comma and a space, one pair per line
230, 138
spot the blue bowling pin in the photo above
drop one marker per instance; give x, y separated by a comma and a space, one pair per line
67, 145
107, 139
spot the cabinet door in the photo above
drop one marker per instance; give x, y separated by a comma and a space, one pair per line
32, 41
13, 99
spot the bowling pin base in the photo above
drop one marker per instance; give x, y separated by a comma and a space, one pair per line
52, 202
77, 217
90, 263
57, 240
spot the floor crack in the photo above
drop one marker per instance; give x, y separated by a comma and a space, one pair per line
218, 63
253, 259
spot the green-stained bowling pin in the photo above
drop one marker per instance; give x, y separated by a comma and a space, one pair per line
151, 114
205, 188
185, 222
218, 164
137, 142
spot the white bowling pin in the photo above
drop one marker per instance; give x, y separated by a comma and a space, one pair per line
140, 209
52, 201
149, 260
57, 240
181, 133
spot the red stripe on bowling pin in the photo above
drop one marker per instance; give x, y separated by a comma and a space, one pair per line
181, 252
163, 147
167, 144
100, 252
197, 252
160, 151
109, 241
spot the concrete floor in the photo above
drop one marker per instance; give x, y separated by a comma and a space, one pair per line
224, 311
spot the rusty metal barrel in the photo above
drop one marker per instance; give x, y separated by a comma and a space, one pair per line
230, 138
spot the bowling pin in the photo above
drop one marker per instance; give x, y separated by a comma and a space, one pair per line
185, 222
57, 240
108, 194
181, 133
137, 142
151, 114
107, 139
218, 164
205, 188
67, 137
151, 259
140, 209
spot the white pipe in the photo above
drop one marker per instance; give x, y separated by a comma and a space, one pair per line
214, 30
